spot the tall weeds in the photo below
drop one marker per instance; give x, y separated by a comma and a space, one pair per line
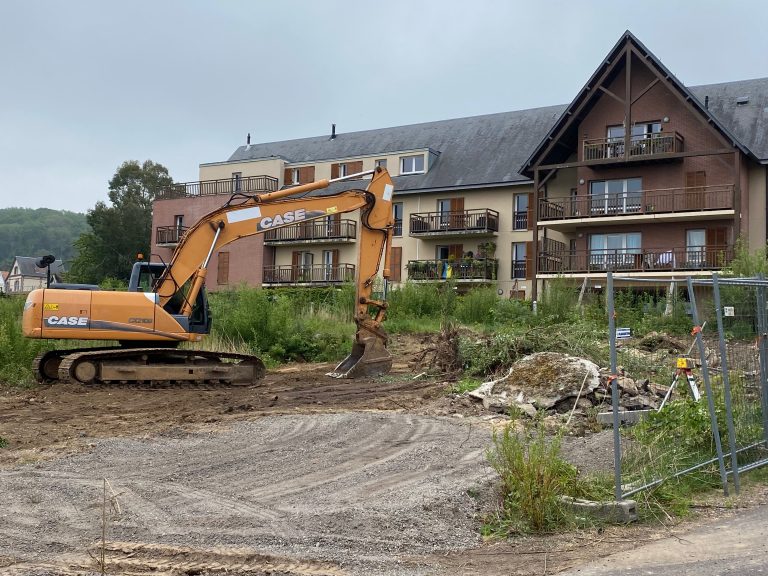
16, 351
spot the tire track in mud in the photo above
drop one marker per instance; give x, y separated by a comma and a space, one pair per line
344, 487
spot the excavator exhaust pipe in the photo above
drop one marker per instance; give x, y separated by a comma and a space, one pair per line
369, 358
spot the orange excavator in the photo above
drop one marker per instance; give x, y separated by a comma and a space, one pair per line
166, 305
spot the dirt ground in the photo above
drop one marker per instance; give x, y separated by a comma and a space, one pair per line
301, 474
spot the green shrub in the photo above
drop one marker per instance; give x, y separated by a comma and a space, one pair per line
534, 478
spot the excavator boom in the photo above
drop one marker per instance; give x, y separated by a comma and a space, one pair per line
173, 308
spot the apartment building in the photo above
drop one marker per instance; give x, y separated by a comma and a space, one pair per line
672, 193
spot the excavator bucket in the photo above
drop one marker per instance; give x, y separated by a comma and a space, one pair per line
369, 358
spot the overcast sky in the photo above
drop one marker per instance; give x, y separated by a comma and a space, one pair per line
87, 85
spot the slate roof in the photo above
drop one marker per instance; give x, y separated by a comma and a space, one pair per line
28, 267
490, 150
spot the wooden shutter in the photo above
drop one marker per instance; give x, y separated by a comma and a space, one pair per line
458, 221
529, 260
717, 241
529, 215
694, 193
456, 250
354, 167
334, 171
222, 274
288, 177
396, 264
306, 174
295, 260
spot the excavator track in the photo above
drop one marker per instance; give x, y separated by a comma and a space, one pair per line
149, 367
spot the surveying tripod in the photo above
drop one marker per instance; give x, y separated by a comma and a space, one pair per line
683, 366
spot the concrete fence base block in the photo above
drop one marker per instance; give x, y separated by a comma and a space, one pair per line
621, 512
625, 416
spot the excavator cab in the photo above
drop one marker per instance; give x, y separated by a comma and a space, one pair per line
144, 278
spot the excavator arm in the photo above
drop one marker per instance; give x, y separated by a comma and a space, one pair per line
248, 215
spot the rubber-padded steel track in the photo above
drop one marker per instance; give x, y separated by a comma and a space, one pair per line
159, 359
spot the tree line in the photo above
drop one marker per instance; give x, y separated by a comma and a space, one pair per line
96, 247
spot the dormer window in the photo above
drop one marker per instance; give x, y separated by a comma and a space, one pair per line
343, 170
296, 176
412, 164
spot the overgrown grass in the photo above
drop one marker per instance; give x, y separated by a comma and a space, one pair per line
292, 325
534, 479
16, 351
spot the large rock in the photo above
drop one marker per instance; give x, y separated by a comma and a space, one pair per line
546, 378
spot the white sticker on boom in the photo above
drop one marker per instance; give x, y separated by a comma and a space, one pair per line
388, 189
241, 215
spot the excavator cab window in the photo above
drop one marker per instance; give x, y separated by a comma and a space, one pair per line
144, 275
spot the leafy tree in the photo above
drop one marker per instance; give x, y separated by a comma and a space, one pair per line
122, 229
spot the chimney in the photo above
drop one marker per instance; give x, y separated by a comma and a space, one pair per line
248, 140
706, 102
333, 131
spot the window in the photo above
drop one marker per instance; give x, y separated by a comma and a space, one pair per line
518, 260
306, 260
328, 264
343, 170
641, 132
695, 247
412, 164
296, 176
611, 197
237, 181
615, 251
521, 212
382, 163
397, 214
444, 209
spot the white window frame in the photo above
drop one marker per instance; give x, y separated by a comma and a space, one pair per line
631, 246
516, 211
611, 203
395, 207
517, 249
328, 264
295, 176
343, 170
408, 164
695, 253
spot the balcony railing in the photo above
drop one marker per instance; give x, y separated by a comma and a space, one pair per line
315, 230
639, 146
169, 235
463, 269
636, 260
661, 201
224, 186
480, 221
313, 274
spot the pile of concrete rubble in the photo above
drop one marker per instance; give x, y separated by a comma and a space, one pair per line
556, 383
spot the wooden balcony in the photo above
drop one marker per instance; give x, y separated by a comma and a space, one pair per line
482, 222
462, 270
247, 185
684, 259
313, 232
314, 275
651, 202
169, 236
640, 147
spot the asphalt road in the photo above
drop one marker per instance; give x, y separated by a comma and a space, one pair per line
738, 545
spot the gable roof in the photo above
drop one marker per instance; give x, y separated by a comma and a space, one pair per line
28, 267
565, 127
498, 149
